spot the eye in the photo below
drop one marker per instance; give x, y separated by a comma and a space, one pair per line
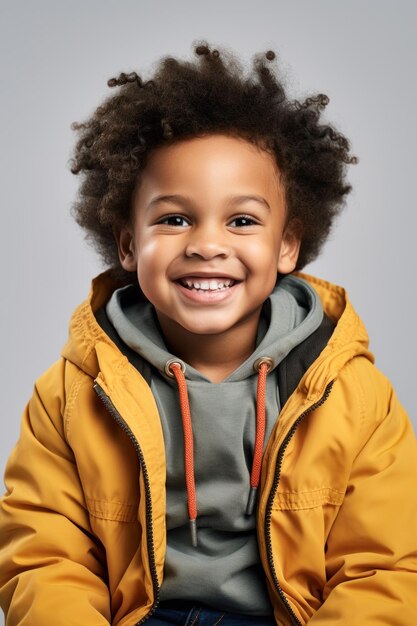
243, 220
174, 220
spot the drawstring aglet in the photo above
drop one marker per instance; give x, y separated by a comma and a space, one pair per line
193, 529
250, 507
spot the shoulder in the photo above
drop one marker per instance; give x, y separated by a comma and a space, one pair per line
56, 391
371, 401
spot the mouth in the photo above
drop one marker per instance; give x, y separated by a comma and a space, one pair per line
209, 284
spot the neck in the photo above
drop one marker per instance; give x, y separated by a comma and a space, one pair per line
215, 356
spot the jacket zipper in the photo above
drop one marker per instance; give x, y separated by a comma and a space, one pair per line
272, 493
149, 529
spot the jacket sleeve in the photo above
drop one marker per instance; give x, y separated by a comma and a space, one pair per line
51, 566
371, 550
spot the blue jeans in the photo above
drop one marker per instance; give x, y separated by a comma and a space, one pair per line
193, 614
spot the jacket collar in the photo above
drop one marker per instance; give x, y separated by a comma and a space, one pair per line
87, 341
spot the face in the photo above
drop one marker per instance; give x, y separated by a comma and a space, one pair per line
207, 237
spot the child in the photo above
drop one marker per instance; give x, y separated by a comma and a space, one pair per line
215, 444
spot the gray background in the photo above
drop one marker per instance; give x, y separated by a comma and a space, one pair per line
55, 59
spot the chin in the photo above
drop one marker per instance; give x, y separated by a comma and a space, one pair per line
204, 329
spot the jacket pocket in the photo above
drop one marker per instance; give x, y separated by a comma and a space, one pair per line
300, 526
112, 511
296, 500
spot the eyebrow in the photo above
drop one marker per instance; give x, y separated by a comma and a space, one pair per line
183, 200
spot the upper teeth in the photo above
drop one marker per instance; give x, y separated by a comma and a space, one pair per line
208, 284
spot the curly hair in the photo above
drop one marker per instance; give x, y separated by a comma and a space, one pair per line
211, 94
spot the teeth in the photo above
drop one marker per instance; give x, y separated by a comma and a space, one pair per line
207, 285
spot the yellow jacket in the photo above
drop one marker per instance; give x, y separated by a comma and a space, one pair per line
82, 525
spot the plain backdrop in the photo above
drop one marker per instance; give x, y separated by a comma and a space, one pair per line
55, 59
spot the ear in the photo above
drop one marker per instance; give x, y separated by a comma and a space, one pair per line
126, 247
290, 247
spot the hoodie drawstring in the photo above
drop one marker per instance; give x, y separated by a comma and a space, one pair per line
176, 369
262, 365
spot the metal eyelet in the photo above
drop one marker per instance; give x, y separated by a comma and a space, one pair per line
263, 359
168, 364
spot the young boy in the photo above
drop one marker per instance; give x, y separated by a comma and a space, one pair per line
215, 444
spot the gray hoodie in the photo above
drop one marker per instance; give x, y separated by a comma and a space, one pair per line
224, 570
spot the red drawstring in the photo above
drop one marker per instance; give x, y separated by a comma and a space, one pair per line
262, 367
176, 369
188, 448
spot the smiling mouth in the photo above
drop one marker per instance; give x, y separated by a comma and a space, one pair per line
210, 284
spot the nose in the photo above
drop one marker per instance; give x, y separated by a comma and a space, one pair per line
207, 244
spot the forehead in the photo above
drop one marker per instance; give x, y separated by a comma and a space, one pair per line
219, 160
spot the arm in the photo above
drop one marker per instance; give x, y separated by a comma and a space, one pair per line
51, 566
371, 550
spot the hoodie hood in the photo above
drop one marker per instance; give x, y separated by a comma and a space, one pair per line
291, 313
87, 340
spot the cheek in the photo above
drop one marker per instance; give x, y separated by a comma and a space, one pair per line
152, 263
150, 254
262, 255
